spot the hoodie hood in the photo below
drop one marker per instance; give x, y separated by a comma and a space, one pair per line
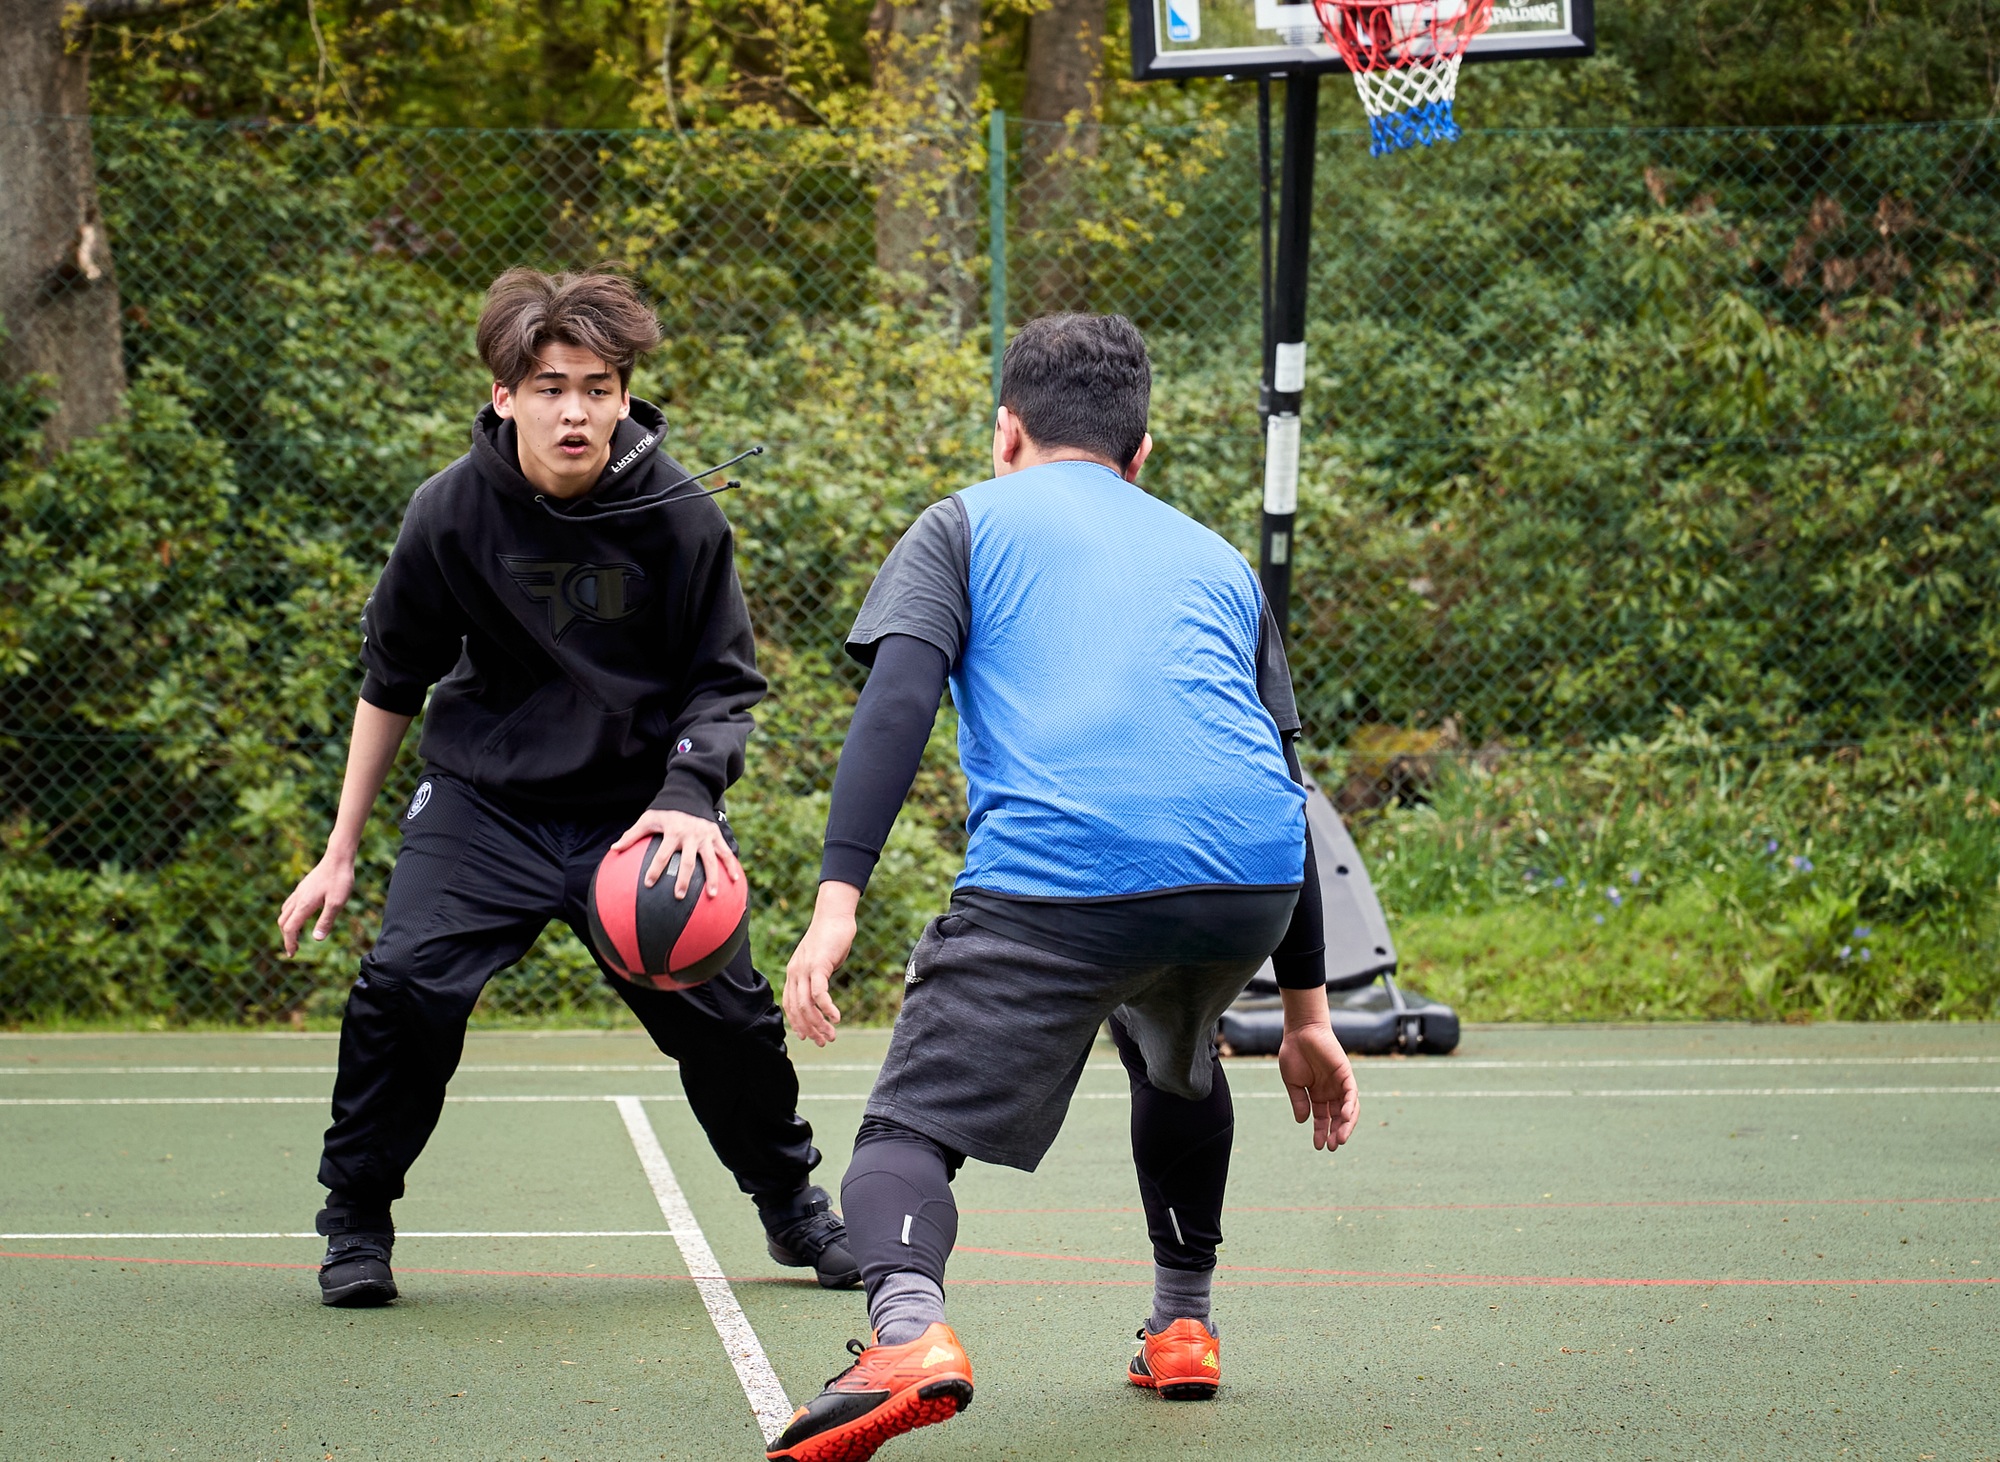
635, 446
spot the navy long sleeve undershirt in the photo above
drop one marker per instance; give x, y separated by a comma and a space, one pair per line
878, 764
879, 761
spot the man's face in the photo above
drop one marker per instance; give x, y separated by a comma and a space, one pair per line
564, 414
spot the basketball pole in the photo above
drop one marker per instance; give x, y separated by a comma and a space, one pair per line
1285, 347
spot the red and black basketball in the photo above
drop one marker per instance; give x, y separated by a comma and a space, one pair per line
654, 939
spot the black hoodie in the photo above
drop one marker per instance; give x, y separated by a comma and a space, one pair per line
580, 661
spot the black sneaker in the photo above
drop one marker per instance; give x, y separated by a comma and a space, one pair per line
355, 1272
810, 1235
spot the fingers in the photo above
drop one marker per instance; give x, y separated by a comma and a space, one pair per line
661, 857
731, 864
812, 1011
1349, 1115
1322, 1123
711, 869
1301, 1102
697, 845
292, 918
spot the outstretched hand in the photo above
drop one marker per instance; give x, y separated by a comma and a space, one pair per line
690, 836
1316, 1072
823, 950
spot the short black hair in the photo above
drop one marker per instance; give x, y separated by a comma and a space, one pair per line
1080, 381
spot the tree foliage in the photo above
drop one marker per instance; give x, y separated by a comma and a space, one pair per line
616, 63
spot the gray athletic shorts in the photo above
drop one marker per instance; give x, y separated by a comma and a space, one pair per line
994, 1035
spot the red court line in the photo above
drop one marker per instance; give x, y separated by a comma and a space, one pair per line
1377, 1276
1527, 1207
1349, 1278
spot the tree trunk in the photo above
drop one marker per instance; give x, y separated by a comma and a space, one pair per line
58, 300
1065, 60
926, 73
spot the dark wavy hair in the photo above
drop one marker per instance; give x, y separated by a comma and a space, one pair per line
1079, 381
526, 311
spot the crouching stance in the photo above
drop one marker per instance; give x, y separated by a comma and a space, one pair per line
576, 595
1137, 850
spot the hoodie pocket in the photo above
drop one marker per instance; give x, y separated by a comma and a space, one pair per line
555, 733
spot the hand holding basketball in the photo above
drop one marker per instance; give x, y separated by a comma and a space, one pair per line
822, 951
692, 837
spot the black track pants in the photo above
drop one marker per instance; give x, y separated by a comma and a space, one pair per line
475, 884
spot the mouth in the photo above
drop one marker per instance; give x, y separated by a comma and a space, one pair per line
573, 444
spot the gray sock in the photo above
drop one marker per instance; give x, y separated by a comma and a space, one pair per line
904, 1306
1179, 1294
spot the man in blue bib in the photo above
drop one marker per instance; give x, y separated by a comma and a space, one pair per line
1138, 850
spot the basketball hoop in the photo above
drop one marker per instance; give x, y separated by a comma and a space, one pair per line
1404, 55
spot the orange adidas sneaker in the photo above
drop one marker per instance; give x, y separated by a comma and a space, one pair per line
889, 1390
1183, 1362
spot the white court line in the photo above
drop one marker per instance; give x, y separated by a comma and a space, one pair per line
585, 1067
469, 1066
746, 1353
291, 1101
1460, 1063
1427, 1066
1083, 1096
407, 1233
1379, 1093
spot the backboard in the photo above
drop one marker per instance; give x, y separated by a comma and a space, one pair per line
1246, 38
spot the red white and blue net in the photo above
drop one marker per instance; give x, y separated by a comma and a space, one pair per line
1405, 56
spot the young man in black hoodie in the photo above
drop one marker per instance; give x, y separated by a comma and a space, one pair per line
572, 595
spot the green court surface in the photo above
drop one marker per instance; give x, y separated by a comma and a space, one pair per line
1675, 1241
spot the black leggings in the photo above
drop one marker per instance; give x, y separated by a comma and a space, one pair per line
901, 1217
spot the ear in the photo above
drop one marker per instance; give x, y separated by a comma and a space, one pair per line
503, 401
624, 405
1009, 441
1131, 473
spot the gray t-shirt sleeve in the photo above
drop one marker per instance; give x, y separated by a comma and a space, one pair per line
924, 589
1274, 677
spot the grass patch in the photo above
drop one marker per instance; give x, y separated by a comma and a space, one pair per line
1676, 881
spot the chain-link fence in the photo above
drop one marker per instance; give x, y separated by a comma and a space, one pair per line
1607, 430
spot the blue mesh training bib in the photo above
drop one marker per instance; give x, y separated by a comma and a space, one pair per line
1109, 724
